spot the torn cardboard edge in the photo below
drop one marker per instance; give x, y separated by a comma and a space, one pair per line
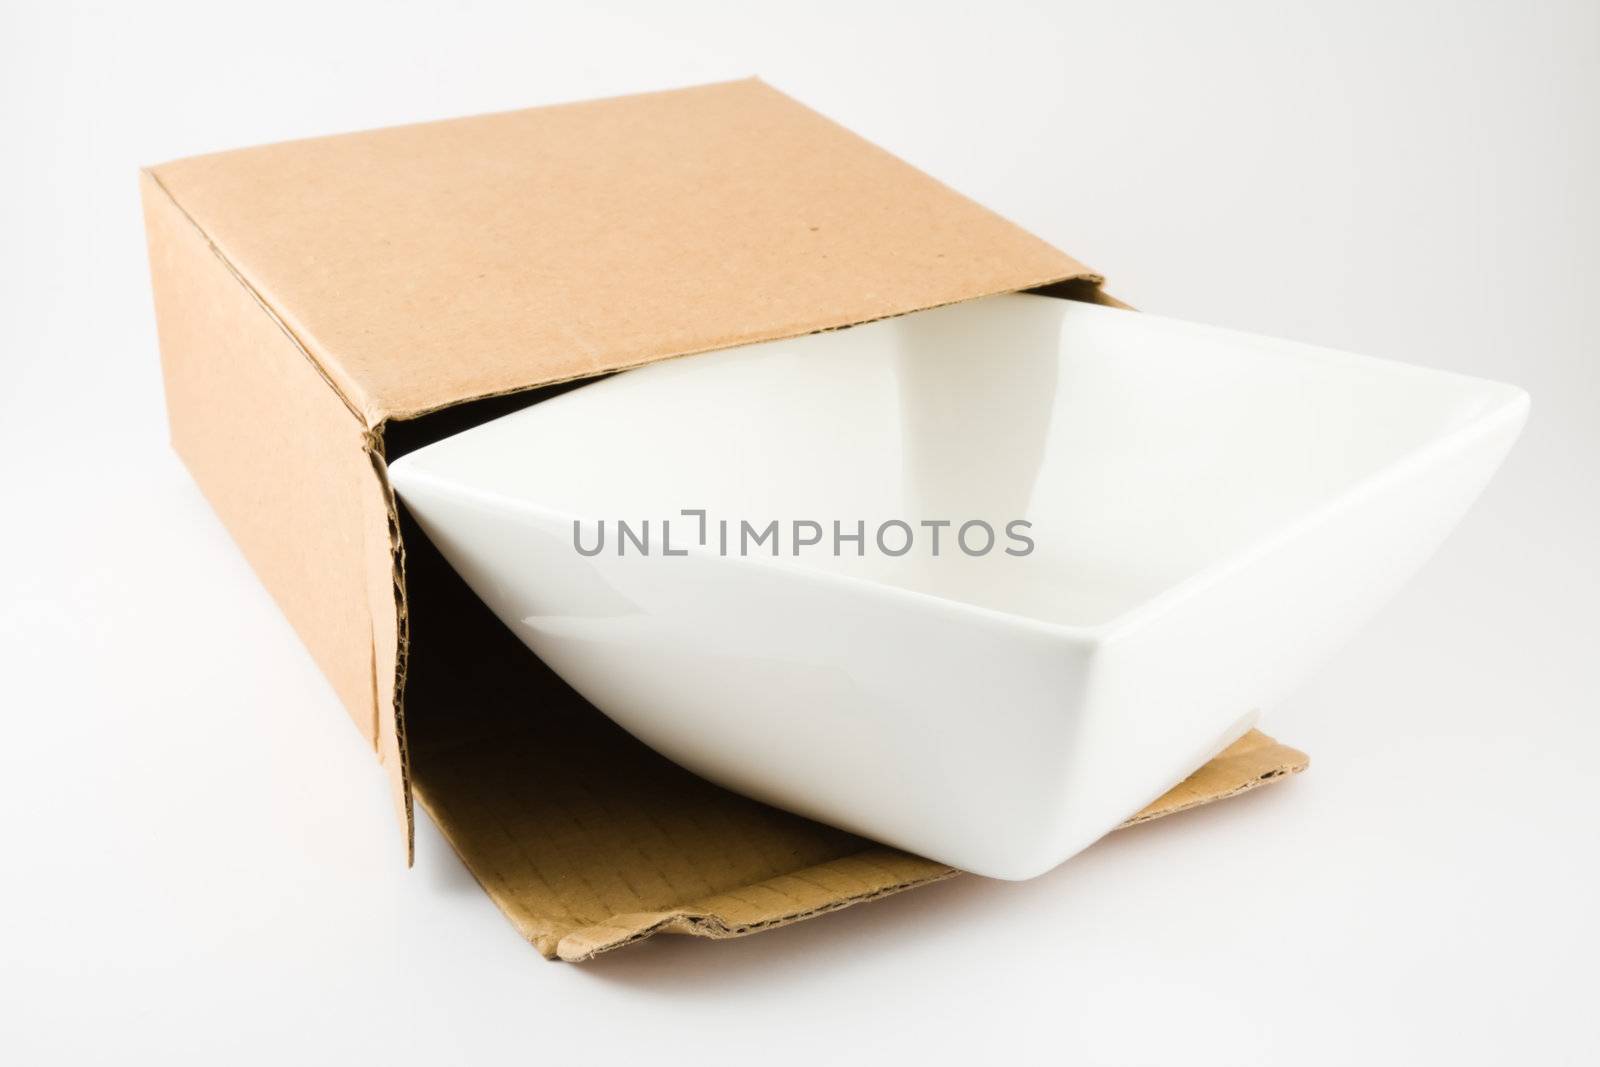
314, 301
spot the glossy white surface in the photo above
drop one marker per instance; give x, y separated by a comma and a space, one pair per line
1212, 513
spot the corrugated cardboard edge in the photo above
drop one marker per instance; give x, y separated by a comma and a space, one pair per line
1249, 763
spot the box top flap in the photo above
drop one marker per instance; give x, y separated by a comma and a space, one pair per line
426, 265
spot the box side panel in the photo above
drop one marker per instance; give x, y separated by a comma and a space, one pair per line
428, 265
284, 462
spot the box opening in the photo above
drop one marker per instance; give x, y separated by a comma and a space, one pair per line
582, 835
503, 752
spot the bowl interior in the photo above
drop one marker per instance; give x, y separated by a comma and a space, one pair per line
1138, 450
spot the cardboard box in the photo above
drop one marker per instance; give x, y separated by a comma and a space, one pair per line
325, 306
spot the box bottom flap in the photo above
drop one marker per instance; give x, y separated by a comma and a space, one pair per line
587, 840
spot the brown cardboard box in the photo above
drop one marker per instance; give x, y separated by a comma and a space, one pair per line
327, 305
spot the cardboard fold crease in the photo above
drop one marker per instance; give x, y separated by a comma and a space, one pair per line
324, 305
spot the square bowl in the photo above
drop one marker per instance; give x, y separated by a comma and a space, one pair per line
977, 582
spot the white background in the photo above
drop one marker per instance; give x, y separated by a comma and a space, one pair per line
198, 860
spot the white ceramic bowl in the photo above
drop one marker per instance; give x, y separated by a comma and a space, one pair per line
1211, 514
